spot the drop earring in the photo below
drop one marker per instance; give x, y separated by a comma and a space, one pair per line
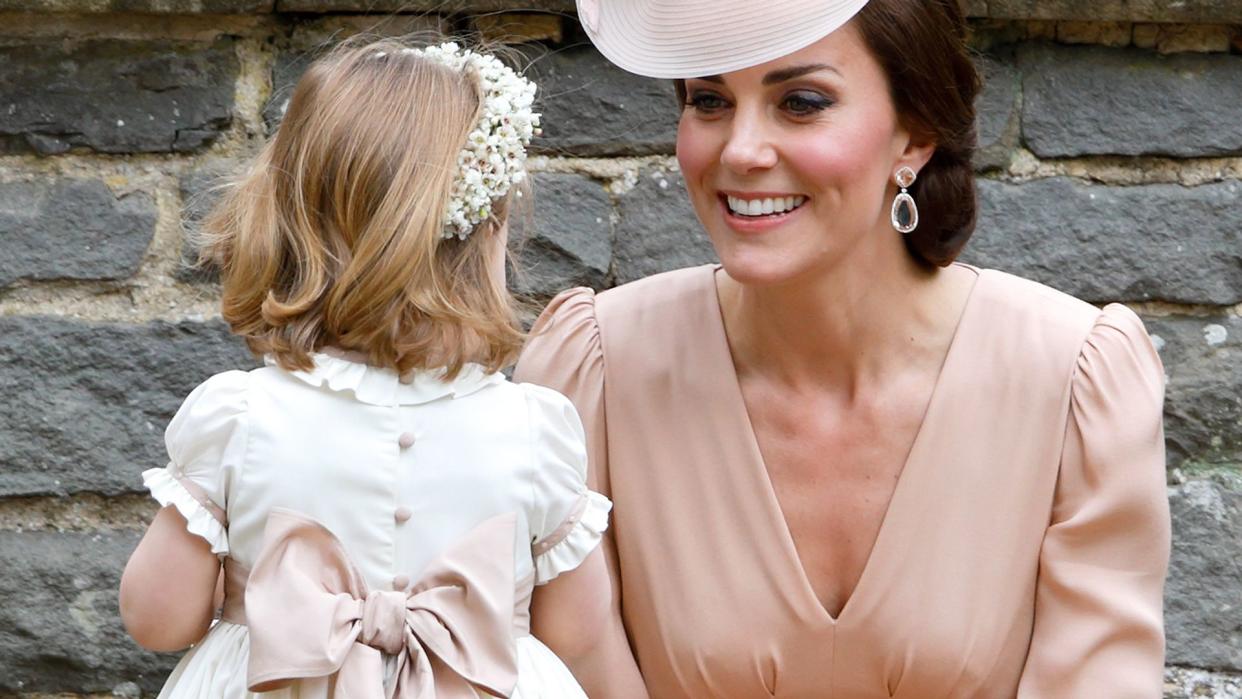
905, 212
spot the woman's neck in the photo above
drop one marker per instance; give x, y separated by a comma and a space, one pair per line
843, 329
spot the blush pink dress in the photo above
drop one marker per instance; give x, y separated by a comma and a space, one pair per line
1023, 553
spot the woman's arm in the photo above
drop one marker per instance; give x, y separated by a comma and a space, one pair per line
168, 588
578, 616
1099, 627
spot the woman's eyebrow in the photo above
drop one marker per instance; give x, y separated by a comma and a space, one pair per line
780, 76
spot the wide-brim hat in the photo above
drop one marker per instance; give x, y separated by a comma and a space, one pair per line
695, 38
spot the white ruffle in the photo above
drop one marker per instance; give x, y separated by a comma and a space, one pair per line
380, 386
585, 536
167, 491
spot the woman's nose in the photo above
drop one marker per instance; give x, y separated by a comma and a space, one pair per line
749, 146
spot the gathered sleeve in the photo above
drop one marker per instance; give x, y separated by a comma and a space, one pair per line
205, 438
1098, 628
567, 520
564, 353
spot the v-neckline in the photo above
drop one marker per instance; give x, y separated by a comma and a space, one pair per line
903, 479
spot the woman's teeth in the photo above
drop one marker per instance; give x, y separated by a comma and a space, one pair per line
763, 207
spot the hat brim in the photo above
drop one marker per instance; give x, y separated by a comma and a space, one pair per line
695, 38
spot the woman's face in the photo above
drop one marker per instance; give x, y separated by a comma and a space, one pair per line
789, 164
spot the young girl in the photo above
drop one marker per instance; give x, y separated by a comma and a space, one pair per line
377, 506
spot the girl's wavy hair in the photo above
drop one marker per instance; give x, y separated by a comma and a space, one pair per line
333, 237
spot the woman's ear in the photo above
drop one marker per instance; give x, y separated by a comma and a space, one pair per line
916, 154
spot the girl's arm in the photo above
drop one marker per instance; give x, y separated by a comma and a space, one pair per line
168, 587
578, 616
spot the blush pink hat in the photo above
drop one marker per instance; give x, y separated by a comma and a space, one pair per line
694, 38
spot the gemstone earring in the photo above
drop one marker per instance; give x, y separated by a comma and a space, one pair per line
905, 212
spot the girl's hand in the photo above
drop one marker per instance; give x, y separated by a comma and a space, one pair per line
578, 616
169, 585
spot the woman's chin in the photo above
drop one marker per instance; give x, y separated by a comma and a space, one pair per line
762, 269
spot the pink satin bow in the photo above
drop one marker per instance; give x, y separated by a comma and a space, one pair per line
312, 618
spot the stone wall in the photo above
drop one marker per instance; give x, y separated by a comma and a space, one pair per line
1111, 168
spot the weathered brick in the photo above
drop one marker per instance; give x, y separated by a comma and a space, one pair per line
1204, 589
72, 229
520, 27
1105, 243
657, 228
60, 630
1101, 33
591, 107
86, 403
569, 242
115, 96
1203, 405
1086, 100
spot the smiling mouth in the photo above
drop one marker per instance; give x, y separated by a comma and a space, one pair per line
766, 207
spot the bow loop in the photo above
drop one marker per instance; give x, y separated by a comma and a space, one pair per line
311, 616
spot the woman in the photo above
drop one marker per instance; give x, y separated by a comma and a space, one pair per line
842, 464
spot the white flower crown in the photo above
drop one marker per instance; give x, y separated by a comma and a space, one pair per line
494, 157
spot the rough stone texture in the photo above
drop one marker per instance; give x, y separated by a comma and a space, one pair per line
1203, 405
60, 630
422, 5
1186, 683
1178, 38
1102, 33
200, 190
657, 229
151, 6
86, 404
591, 107
1098, 101
115, 96
997, 111
71, 229
1203, 597
570, 238
1102, 243
518, 27
1208, 11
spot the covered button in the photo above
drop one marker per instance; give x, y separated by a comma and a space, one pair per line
402, 514
406, 440
400, 582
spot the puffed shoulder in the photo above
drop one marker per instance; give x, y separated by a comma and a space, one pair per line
568, 520
205, 435
1119, 373
564, 339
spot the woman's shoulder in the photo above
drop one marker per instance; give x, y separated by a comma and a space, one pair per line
1039, 323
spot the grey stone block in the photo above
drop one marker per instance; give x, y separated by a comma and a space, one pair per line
658, 230
115, 96
1104, 243
1203, 596
569, 239
1203, 403
85, 404
60, 629
1086, 100
591, 107
200, 190
997, 114
286, 70
72, 229
1202, 11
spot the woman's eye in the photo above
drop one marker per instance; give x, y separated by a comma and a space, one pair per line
705, 101
805, 103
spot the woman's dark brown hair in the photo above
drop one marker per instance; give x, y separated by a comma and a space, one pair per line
921, 45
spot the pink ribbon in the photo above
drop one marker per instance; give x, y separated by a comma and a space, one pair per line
312, 618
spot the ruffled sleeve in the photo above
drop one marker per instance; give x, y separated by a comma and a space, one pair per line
564, 354
567, 520
205, 438
1099, 600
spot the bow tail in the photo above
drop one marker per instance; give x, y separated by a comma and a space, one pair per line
361, 675
420, 674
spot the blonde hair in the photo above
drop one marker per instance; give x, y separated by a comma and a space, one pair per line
334, 237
